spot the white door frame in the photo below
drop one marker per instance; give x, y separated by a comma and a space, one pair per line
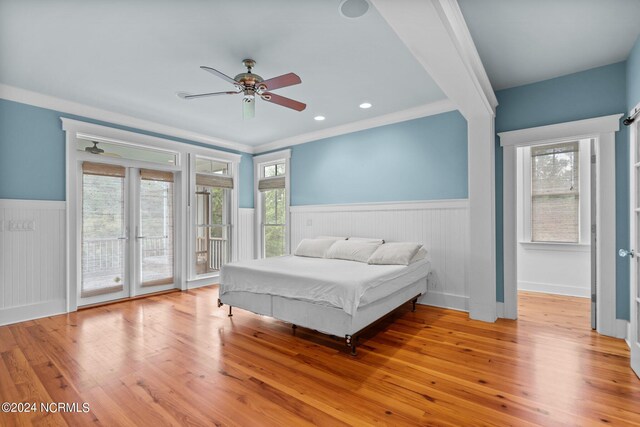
602, 130
75, 129
634, 265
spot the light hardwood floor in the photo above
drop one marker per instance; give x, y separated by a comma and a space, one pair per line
177, 359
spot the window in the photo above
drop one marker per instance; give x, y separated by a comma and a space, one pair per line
121, 150
274, 208
273, 204
555, 193
212, 216
277, 169
211, 166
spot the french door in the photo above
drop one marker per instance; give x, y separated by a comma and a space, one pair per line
634, 338
127, 236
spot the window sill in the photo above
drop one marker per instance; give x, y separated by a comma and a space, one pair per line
562, 247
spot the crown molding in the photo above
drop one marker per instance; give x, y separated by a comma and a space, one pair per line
37, 99
430, 109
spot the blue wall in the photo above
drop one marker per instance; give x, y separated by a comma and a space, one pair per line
633, 76
421, 159
32, 154
597, 92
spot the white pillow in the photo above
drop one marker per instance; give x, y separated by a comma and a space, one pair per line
421, 254
367, 239
313, 248
352, 250
331, 237
395, 253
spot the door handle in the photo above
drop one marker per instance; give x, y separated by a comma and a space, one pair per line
123, 238
141, 237
623, 253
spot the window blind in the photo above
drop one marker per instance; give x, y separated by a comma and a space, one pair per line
271, 183
218, 181
555, 196
102, 169
153, 175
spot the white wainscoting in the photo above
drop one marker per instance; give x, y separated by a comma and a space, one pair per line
441, 225
32, 259
246, 236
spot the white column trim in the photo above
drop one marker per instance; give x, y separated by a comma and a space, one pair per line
509, 238
436, 34
482, 236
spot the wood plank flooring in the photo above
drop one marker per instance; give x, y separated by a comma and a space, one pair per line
177, 359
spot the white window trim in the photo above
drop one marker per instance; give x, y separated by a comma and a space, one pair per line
584, 168
193, 280
258, 163
75, 129
602, 130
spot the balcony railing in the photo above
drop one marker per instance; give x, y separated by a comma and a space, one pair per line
211, 257
101, 256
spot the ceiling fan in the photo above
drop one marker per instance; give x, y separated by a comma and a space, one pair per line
97, 150
251, 85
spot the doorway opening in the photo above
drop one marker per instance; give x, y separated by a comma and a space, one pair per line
601, 132
555, 218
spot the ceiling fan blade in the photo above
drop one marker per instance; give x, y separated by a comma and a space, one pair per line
284, 101
223, 76
186, 95
248, 108
281, 81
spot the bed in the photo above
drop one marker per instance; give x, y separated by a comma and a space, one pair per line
333, 296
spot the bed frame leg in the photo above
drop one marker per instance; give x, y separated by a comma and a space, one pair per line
294, 327
413, 304
220, 304
230, 313
351, 343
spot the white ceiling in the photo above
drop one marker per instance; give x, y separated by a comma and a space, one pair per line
525, 41
131, 57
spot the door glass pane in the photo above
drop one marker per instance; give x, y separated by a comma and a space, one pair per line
212, 228
103, 232
274, 222
156, 232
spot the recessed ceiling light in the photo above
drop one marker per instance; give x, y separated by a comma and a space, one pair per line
365, 105
353, 8
319, 118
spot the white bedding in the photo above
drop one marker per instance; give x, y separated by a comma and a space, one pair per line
338, 283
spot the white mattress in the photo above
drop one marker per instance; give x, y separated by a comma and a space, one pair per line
343, 284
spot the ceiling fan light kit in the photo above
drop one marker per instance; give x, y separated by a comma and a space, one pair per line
251, 85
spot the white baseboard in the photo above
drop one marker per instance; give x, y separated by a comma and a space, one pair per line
32, 311
443, 300
199, 283
622, 327
500, 310
552, 288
